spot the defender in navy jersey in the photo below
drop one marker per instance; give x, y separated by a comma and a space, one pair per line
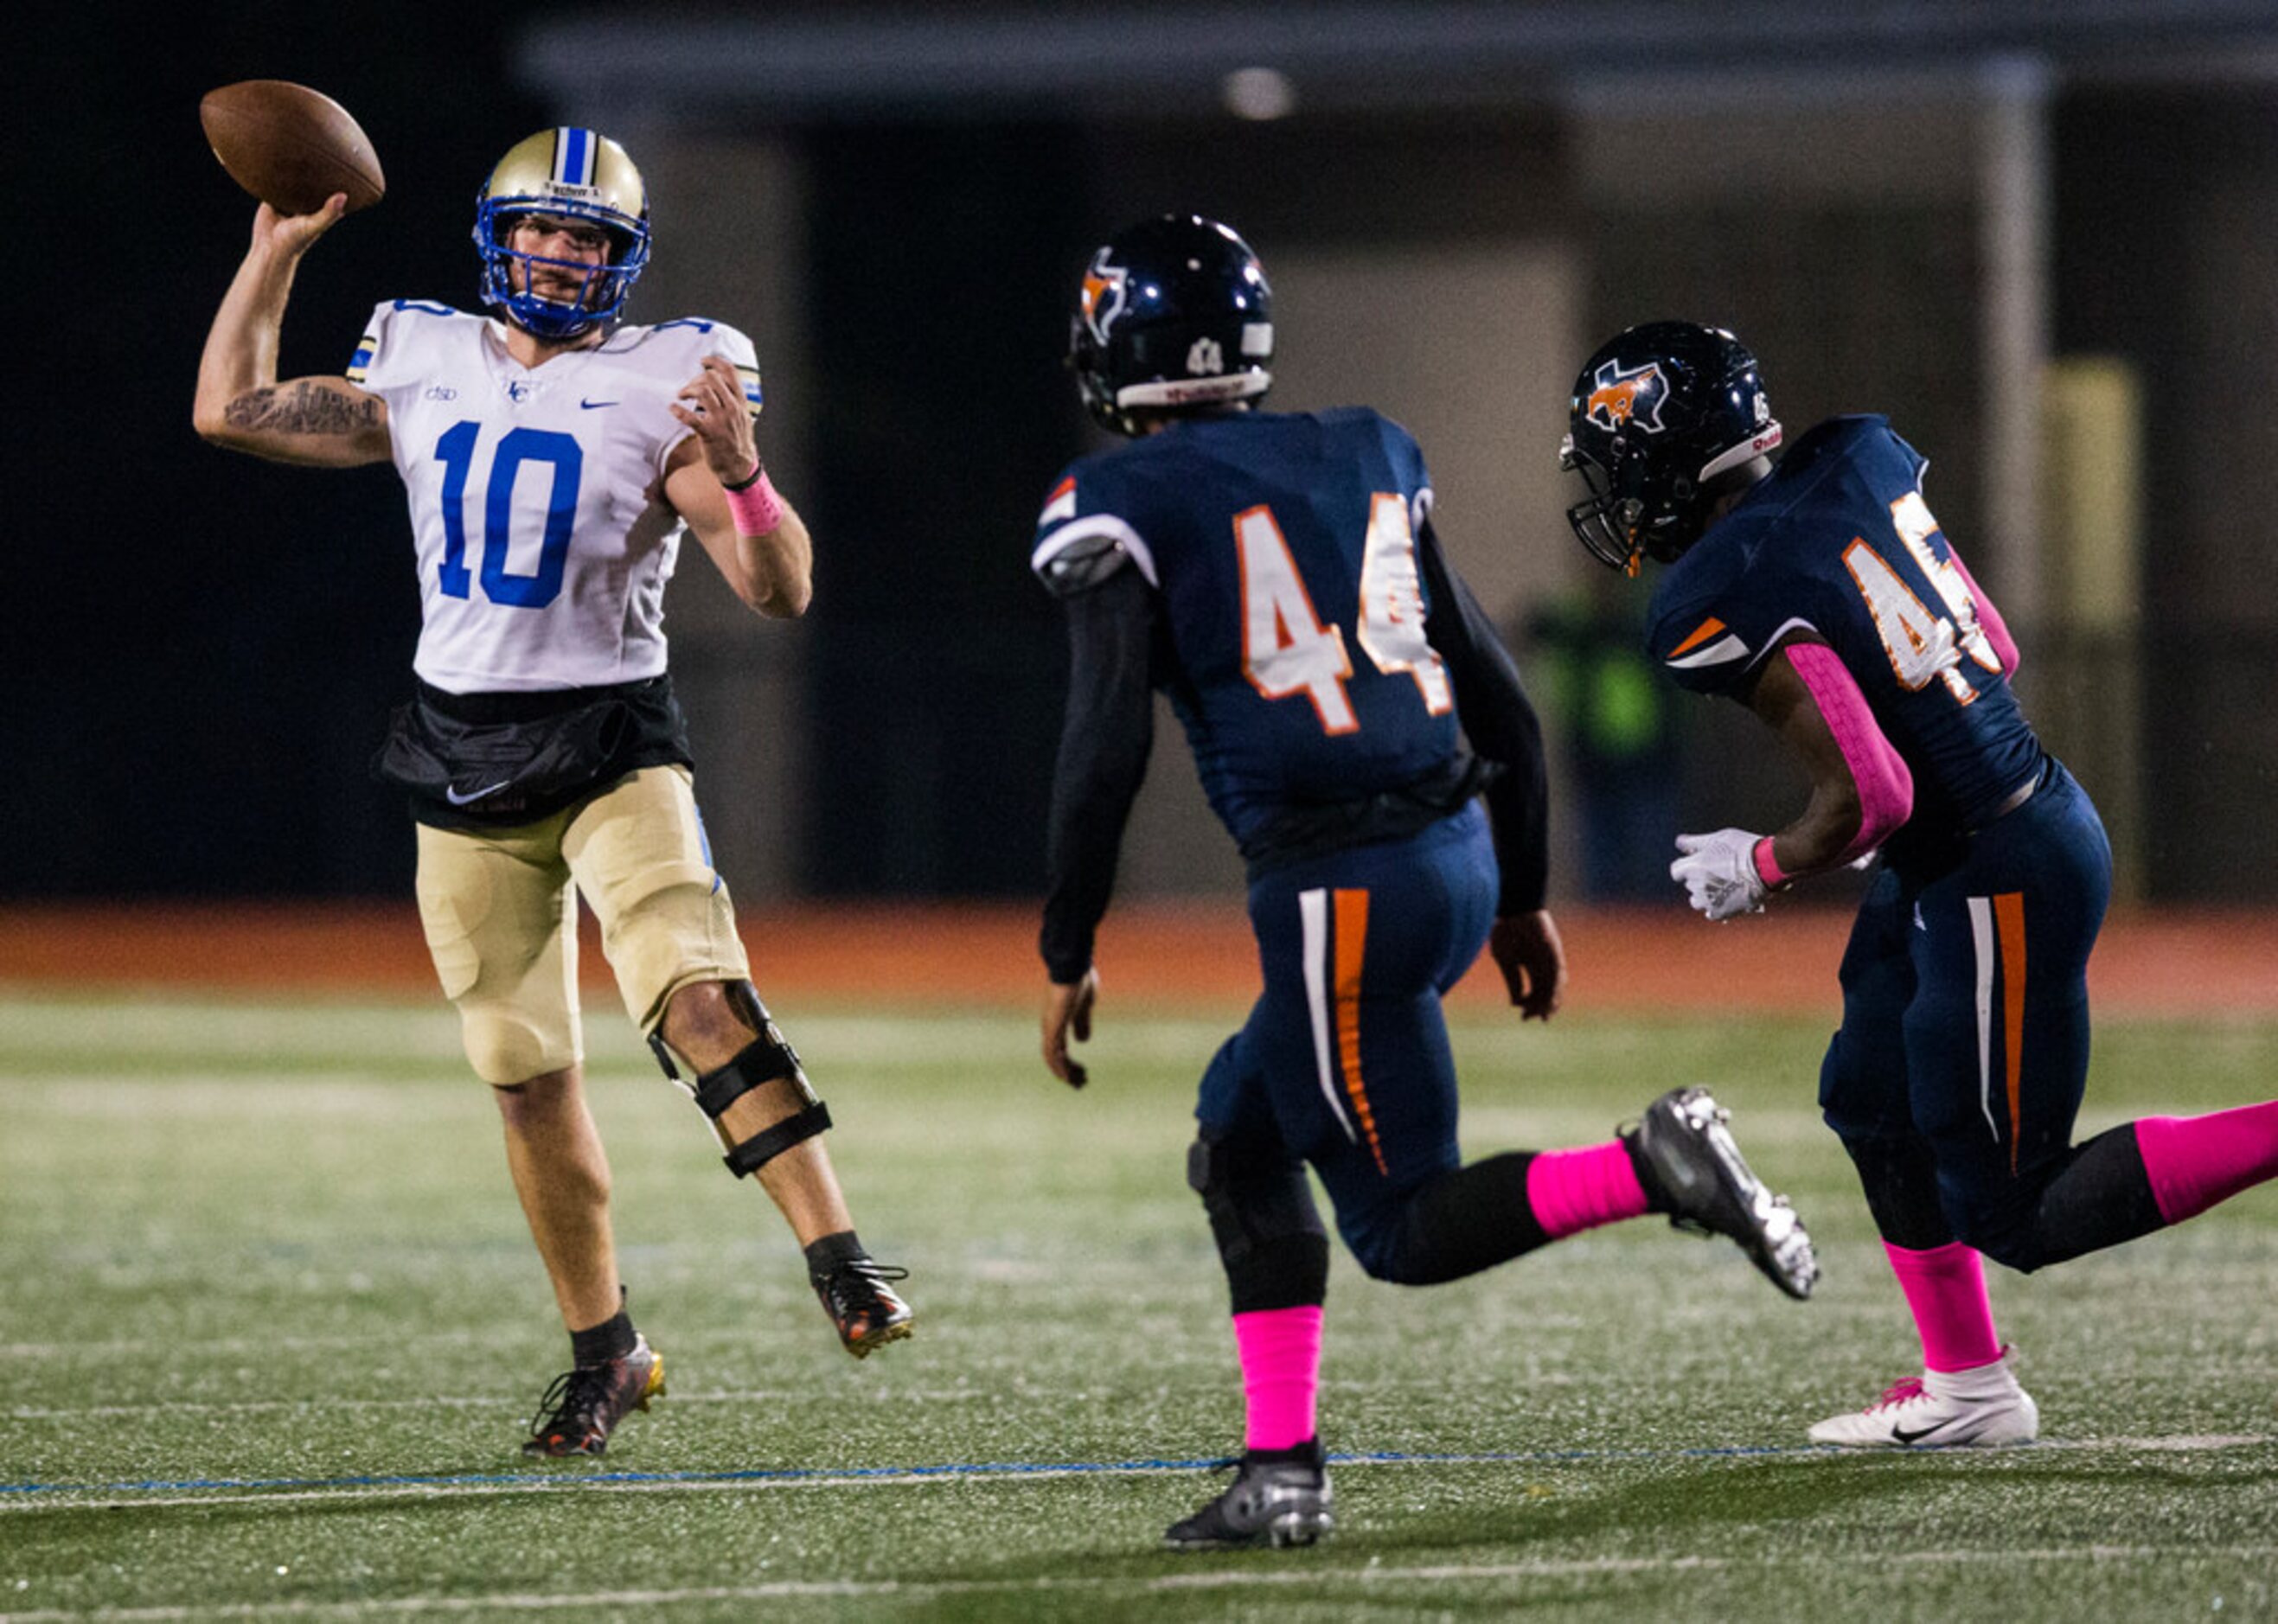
553, 457
1821, 592
1348, 705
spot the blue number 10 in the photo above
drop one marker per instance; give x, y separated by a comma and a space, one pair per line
456, 450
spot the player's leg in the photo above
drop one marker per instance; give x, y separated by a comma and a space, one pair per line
1275, 1253
498, 913
2034, 894
1965, 1392
1366, 1082
668, 926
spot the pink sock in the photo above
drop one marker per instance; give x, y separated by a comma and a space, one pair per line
1572, 1190
1281, 1351
2195, 1162
1945, 1288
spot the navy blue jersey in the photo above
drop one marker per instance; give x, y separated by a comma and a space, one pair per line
1838, 542
1283, 549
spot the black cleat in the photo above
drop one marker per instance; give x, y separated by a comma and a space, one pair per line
585, 1406
1694, 1172
863, 1306
1280, 1501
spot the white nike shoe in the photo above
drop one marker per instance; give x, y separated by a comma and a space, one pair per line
1941, 1408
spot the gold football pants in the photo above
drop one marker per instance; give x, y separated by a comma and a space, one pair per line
500, 909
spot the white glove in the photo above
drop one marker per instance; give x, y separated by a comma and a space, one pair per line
1718, 872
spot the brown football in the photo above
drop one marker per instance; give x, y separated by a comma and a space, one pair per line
290, 146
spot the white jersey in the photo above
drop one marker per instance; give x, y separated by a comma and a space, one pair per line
537, 496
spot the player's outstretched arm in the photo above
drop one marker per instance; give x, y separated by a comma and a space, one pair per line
714, 480
1860, 788
327, 422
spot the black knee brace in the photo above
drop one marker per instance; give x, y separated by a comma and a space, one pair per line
1899, 1176
764, 1060
1269, 1233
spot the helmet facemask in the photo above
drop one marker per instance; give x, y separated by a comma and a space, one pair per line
566, 174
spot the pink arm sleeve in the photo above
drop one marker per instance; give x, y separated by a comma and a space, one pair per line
1886, 789
1989, 618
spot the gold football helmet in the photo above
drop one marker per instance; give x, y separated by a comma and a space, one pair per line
568, 173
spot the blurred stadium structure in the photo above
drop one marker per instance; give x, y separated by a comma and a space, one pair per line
2042, 237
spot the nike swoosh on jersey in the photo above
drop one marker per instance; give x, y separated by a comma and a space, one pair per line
596, 405
456, 799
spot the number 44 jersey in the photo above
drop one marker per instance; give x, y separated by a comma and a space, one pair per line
1837, 543
1283, 549
537, 494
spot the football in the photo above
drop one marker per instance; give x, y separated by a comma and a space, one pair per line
290, 146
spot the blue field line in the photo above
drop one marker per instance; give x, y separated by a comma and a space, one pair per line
857, 1474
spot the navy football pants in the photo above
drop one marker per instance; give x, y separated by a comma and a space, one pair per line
1965, 1014
1344, 1060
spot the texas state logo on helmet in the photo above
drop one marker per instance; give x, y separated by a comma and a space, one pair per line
1101, 299
568, 174
1625, 397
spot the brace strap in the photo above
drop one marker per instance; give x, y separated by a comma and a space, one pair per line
762, 1060
770, 1142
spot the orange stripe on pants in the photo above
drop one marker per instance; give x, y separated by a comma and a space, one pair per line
2009, 917
1352, 943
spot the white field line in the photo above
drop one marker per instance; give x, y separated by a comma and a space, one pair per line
1320, 1577
68, 1497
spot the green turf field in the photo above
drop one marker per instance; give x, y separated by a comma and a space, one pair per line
271, 1326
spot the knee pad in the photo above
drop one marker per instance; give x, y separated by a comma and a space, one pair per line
766, 1059
1269, 1233
1900, 1178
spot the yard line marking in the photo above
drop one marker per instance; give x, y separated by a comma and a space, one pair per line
20, 1497
1215, 1579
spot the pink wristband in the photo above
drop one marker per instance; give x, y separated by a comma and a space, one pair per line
756, 508
1767, 869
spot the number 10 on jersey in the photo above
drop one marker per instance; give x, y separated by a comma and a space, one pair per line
1285, 648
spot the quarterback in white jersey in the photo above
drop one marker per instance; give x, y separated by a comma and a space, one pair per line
553, 457
538, 494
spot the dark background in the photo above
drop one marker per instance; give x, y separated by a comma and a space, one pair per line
200, 649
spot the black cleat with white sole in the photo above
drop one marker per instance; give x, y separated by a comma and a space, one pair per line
1693, 1170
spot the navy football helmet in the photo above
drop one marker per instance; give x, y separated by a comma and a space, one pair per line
1658, 413
1175, 314
570, 175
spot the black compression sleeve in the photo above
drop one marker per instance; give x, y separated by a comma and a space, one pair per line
1498, 718
1105, 739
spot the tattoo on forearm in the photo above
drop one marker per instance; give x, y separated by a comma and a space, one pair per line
303, 409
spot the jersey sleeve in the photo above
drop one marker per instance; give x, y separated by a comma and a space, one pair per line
1082, 538
1717, 614
735, 347
674, 352
388, 356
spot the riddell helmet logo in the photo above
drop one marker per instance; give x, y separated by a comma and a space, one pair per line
1103, 295
1618, 398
